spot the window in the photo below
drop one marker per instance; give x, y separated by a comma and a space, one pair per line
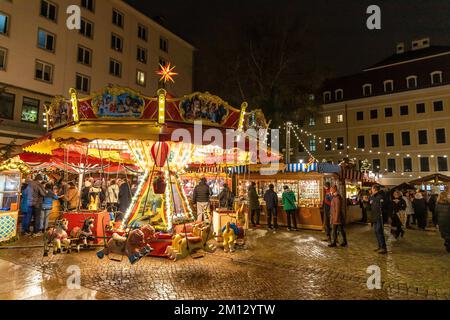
404, 110
339, 94
424, 164
388, 86
436, 77
438, 106
327, 120
340, 118
115, 68
142, 32
164, 44
376, 165
116, 42
46, 40
4, 23
406, 138
411, 82
423, 137
328, 144
407, 164
30, 110
387, 112
312, 145
142, 55
117, 18
442, 164
420, 108
83, 83
374, 114
440, 136
84, 56
48, 10
87, 28
360, 115
375, 141
7, 101
367, 90
43, 71
312, 121
340, 143
3, 56
361, 143
327, 96
391, 165
390, 140
88, 4
140, 78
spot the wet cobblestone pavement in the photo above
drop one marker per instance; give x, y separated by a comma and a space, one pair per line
280, 265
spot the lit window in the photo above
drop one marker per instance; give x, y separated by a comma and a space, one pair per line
4, 23
140, 78
312, 121
46, 40
312, 145
327, 119
30, 110
340, 118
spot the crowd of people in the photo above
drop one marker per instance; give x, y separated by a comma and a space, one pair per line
38, 196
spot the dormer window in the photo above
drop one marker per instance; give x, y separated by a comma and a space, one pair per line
411, 82
367, 90
339, 94
436, 77
327, 96
388, 86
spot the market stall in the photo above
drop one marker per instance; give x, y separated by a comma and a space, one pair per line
433, 183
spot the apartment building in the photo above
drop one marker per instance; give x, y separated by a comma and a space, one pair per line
395, 114
40, 57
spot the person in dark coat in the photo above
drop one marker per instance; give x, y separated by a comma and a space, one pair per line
432, 206
226, 198
376, 201
35, 196
200, 197
253, 204
398, 205
420, 210
337, 218
124, 198
326, 211
85, 194
443, 218
271, 199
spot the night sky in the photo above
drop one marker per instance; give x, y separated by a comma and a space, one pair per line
340, 39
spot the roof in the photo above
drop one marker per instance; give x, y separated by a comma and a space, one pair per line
411, 55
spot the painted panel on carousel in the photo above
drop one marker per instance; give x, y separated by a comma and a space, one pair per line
59, 113
209, 109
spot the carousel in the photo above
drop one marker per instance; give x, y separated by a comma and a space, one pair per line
163, 143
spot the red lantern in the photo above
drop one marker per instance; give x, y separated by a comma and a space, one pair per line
160, 151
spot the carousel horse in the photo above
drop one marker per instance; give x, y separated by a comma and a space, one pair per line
185, 243
84, 234
57, 236
135, 246
230, 234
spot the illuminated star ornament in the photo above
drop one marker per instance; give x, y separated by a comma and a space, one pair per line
166, 73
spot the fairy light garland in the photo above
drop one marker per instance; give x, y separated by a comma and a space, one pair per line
168, 201
135, 198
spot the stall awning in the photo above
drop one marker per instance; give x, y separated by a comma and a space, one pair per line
436, 178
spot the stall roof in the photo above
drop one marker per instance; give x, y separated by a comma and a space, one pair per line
436, 178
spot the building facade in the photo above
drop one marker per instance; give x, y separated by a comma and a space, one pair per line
40, 57
395, 114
